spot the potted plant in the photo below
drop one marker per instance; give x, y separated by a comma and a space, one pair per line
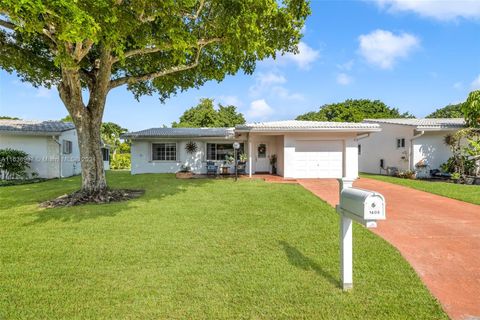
273, 163
185, 172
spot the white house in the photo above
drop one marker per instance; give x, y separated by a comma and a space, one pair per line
46, 142
407, 144
304, 149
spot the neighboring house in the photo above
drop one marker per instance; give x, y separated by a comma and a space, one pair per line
304, 149
407, 144
45, 142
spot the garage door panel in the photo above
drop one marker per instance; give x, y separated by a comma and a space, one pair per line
318, 159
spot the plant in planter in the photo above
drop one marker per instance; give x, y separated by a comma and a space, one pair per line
185, 172
243, 157
273, 163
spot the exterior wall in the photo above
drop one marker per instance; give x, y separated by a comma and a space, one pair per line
141, 154
270, 141
70, 162
39, 148
280, 154
383, 145
350, 159
430, 148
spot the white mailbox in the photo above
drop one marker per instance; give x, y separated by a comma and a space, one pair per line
365, 204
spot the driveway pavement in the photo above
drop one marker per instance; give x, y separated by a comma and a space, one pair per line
440, 238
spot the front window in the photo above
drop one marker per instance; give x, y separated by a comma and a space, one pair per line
400, 143
106, 154
262, 150
164, 151
67, 147
359, 149
222, 151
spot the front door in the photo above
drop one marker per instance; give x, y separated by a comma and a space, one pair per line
262, 162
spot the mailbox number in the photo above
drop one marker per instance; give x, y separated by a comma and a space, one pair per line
373, 210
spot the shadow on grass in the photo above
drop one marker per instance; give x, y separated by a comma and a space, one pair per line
161, 188
299, 260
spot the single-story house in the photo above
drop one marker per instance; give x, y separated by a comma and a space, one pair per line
407, 144
304, 149
46, 142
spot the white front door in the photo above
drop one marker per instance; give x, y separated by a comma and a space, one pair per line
262, 163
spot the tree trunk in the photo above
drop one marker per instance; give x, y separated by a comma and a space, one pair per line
88, 118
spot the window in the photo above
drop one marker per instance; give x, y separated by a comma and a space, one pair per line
400, 143
359, 149
221, 151
67, 147
164, 151
262, 150
106, 154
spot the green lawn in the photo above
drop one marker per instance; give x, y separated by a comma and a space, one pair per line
467, 193
194, 249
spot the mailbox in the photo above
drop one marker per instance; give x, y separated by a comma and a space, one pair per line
365, 204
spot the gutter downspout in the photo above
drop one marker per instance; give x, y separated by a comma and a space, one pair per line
59, 156
410, 155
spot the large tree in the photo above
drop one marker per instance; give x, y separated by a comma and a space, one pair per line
450, 111
471, 110
204, 115
150, 46
354, 111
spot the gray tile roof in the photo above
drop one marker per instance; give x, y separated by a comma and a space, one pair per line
426, 123
296, 125
34, 127
180, 133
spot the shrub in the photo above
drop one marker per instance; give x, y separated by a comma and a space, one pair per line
408, 174
120, 161
13, 164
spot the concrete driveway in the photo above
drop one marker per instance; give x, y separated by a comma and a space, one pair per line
440, 238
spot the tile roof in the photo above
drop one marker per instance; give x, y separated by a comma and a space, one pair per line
35, 127
180, 133
426, 123
296, 125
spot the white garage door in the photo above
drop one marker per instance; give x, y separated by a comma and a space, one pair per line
318, 159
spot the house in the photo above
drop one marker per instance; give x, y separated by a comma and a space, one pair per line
304, 149
407, 144
45, 142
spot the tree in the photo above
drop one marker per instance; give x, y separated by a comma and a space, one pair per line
471, 110
204, 115
110, 133
150, 46
450, 111
8, 118
353, 111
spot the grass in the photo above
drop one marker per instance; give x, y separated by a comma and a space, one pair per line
462, 192
194, 249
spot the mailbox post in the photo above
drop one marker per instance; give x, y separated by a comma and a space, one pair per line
363, 206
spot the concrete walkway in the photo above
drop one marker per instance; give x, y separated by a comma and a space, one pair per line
439, 237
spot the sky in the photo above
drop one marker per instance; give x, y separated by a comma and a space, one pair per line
414, 55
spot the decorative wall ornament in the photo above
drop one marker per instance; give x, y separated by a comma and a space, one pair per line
191, 147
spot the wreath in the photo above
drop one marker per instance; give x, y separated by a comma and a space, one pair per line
191, 147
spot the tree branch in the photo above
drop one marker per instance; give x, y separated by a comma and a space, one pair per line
7, 24
149, 76
197, 13
143, 51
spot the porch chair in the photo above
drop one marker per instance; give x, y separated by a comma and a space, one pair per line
211, 168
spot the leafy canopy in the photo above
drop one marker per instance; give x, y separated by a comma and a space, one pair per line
471, 109
204, 115
353, 111
153, 46
450, 111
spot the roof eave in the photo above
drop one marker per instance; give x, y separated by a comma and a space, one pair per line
31, 133
307, 130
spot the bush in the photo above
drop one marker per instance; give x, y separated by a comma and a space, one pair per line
454, 165
13, 164
408, 174
120, 161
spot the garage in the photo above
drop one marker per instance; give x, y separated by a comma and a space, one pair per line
318, 159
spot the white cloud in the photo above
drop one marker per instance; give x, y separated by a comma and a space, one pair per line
43, 92
347, 66
475, 85
284, 93
440, 10
304, 59
229, 100
344, 79
383, 48
259, 109
270, 84
458, 85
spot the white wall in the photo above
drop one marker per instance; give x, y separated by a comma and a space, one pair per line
280, 154
142, 157
383, 145
269, 140
432, 149
70, 162
37, 147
